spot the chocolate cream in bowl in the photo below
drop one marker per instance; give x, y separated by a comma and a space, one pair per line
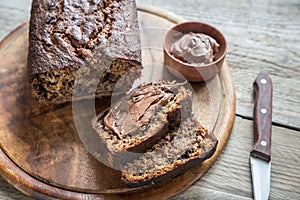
195, 48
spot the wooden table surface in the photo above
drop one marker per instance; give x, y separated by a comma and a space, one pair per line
262, 36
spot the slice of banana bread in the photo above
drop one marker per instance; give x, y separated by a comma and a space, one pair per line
84, 42
180, 149
143, 117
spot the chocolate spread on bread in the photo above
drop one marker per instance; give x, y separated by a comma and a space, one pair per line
128, 116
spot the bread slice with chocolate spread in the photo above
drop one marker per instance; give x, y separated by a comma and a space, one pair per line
165, 140
143, 117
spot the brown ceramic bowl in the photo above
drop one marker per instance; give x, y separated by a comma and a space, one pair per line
194, 73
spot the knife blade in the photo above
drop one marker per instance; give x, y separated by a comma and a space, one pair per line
260, 155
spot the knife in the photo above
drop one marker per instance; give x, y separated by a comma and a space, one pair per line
260, 155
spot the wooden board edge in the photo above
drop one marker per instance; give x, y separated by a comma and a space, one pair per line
230, 98
161, 13
12, 34
33, 187
228, 121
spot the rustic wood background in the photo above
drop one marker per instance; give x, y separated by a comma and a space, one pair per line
262, 36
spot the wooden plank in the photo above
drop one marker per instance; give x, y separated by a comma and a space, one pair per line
12, 14
196, 192
8, 192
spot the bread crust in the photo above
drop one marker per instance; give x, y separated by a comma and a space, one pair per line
66, 36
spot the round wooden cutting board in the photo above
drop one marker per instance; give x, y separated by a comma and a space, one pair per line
41, 152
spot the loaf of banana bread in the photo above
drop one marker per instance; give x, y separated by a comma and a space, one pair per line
91, 44
143, 117
179, 150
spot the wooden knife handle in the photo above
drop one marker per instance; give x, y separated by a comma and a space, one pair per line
262, 117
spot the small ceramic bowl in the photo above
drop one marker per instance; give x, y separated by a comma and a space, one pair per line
192, 72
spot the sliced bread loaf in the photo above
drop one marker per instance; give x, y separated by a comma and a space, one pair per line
180, 149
